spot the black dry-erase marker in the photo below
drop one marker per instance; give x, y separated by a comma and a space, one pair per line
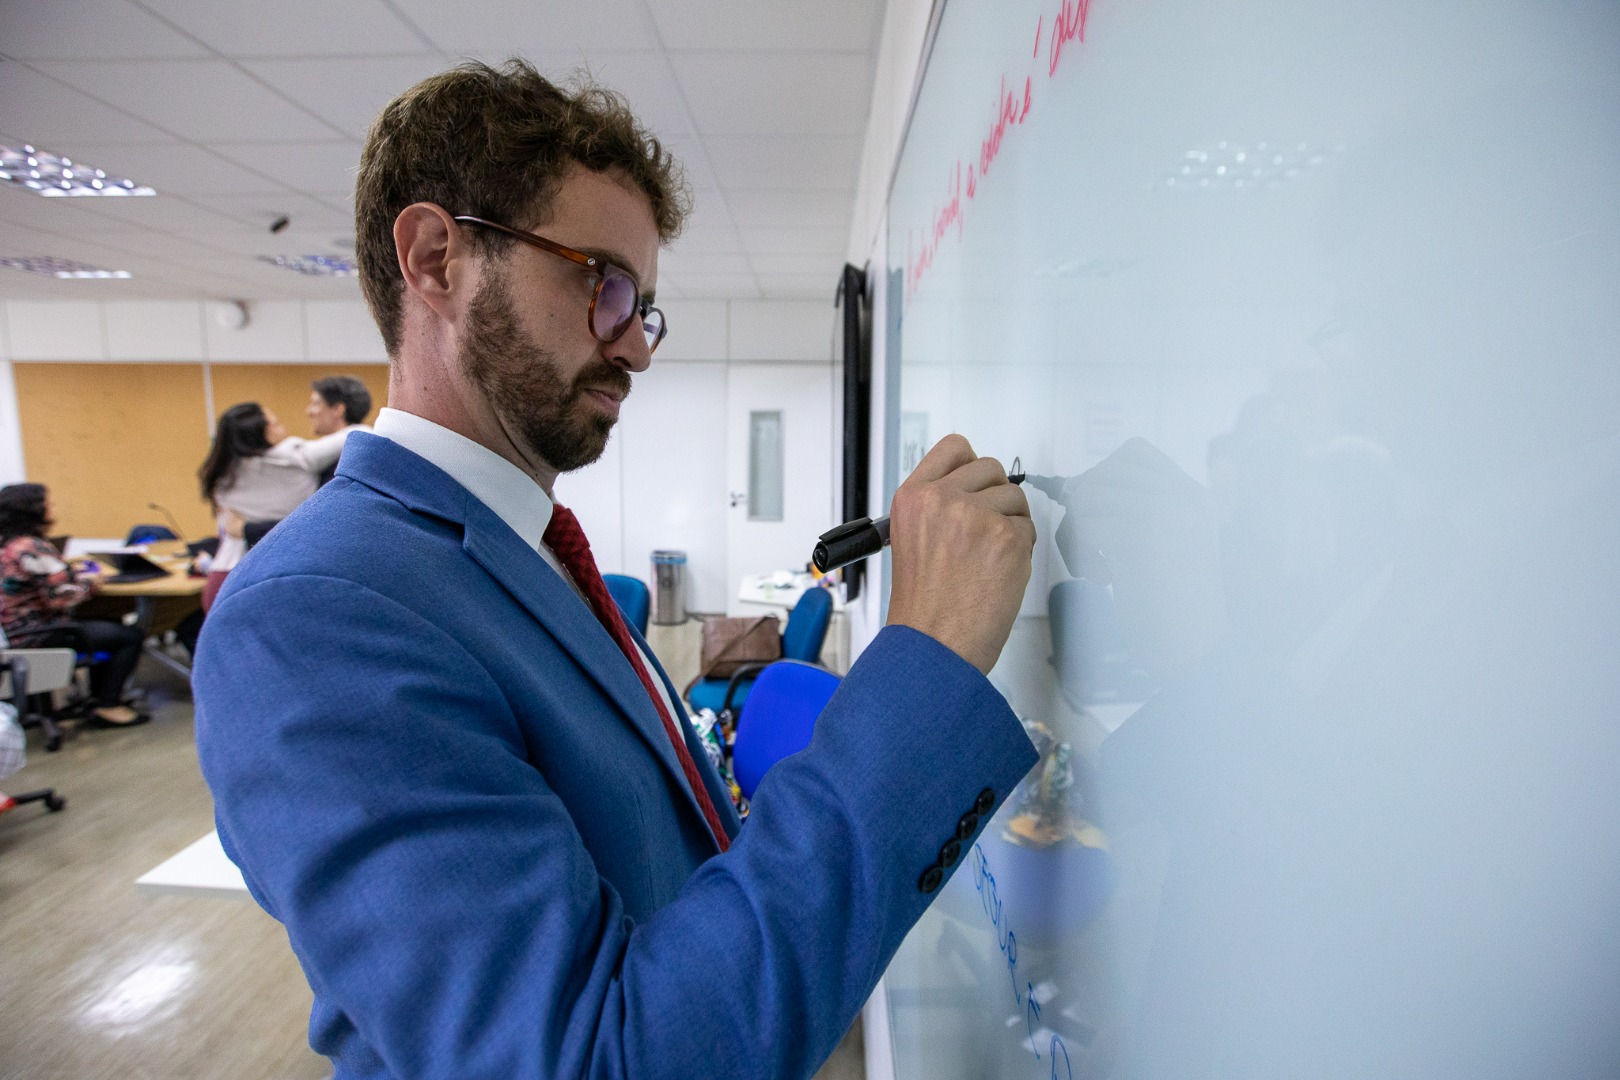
858, 539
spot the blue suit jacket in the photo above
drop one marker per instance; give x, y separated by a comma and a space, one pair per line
437, 770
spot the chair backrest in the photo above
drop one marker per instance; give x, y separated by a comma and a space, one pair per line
633, 598
147, 534
778, 718
807, 626
47, 669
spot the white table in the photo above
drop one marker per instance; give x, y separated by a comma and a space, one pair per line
780, 590
200, 869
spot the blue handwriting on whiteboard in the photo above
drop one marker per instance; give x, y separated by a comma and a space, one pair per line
985, 882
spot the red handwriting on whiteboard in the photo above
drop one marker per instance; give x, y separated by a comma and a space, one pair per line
918, 262
1012, 110
1069, 26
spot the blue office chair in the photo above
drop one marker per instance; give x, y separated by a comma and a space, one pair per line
779, 718
149, 534
801, 640
632, 597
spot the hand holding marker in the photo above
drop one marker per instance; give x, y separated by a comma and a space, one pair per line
862, 537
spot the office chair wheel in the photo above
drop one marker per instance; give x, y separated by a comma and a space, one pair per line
53, 742
54, 803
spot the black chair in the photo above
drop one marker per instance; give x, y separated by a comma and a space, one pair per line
24, 675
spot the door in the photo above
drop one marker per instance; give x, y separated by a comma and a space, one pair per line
779, 469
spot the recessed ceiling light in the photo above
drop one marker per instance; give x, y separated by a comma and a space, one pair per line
44, 173
59, 268
314, 265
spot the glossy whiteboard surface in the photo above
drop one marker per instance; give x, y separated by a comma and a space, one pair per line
1305, 319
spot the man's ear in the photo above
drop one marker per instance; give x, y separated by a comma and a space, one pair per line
434, 258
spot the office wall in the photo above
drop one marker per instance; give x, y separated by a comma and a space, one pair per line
284, 389
661, 483
109, 446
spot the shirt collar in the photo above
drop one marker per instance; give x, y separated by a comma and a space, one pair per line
497, 483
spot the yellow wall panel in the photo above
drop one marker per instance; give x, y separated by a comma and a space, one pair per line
108, 439
284, 388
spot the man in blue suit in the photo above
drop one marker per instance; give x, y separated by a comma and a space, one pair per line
464, 786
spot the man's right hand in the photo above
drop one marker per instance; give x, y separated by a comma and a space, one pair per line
961, 538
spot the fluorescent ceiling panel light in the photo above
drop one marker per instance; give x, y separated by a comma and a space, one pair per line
46, 174
314, 265
59, 268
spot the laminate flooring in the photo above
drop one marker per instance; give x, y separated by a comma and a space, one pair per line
101, 980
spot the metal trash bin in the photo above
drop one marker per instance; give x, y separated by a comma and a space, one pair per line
669, 587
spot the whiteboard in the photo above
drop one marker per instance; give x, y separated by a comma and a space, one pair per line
1304, 318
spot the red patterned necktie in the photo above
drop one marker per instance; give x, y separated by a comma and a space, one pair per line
567, 540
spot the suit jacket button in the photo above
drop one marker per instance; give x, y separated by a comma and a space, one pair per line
949, 852
985, 801
967, 826
930, 879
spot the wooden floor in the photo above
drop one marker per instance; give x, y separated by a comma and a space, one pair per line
99, 980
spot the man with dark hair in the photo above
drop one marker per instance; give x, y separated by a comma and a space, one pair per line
467, 788
337, 402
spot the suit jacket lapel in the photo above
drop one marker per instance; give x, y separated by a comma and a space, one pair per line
489, 541
553, 602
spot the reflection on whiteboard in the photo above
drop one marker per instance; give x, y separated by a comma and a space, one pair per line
1302, 318
913, 440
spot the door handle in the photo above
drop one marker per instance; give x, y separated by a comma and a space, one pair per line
738, 498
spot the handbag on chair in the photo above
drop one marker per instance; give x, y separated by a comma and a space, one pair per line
729, 644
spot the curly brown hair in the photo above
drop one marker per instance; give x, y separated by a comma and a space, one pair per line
496, 143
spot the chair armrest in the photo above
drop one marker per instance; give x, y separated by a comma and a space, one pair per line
747, 671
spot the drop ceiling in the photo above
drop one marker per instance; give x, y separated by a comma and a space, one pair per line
238, 113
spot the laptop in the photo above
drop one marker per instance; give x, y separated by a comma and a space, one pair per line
132, 567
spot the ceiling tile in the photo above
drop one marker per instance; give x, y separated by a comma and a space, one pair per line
780, 265
256, 212
775, 93
683, 265
794, 240
749, 24
642, 76
798, 286
164, 213
292, 27
89, 30
790, 208
725, 286
173, 168
198, 100
315, 167
709, 240
48, 114
347, 93
823, 162
502, 27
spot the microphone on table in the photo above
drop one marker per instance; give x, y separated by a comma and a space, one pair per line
180, 534
858, 539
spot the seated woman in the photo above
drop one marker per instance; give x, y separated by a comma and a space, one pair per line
256, 472
39, 594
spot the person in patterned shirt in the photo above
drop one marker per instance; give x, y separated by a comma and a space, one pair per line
38, 592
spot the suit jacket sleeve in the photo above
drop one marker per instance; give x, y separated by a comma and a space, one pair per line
438, 895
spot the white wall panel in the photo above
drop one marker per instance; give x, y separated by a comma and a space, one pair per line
594, 495
154, 330
56, 330
698, 330
342, 330
674, 443
782, 329
11, 448
274, 331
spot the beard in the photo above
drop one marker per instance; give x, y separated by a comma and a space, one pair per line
524, 383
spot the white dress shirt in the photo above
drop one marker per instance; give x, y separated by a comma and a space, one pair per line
500, 485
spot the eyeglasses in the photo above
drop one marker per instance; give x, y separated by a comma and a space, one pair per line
614, 302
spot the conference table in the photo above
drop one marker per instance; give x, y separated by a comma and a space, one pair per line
159, 603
